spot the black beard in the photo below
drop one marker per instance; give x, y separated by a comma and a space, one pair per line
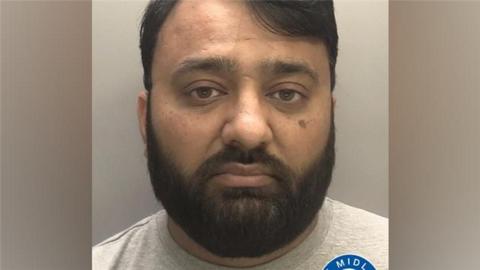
240, 222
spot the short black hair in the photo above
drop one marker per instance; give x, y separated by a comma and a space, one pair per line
301, 18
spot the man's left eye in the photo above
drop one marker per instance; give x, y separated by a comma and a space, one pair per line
286, 95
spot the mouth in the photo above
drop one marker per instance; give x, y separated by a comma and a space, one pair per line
234, 180
241, 175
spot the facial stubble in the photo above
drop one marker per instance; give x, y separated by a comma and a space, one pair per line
239, 222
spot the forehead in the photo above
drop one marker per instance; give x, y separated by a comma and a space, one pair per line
227, 28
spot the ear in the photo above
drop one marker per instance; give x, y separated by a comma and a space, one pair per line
142, 101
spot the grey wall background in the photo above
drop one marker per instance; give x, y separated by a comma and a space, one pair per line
121, 188
46, 135
120, 184
434, 135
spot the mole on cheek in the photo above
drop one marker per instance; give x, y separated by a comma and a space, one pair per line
302, 123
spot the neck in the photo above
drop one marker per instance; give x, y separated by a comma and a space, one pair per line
192, 247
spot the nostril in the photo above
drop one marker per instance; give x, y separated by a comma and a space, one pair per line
246, 132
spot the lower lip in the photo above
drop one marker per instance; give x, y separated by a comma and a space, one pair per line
232, 180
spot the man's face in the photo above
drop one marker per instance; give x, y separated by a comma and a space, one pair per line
239, 127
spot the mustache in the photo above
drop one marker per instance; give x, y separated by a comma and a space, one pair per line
232, 154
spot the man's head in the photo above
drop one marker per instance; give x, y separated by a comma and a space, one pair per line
238, 117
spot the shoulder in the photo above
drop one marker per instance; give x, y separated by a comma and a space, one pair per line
127, 234
357, 231
355, 217
118, 250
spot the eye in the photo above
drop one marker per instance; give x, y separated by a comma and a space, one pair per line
286, 95
205, 93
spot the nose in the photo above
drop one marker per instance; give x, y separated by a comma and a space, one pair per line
247, 125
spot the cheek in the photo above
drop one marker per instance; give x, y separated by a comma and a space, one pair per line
183, 137
303, 139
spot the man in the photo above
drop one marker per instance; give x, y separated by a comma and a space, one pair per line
237, 116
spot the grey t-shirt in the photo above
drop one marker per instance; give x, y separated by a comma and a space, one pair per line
341, 229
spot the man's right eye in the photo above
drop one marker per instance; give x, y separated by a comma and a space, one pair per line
205, 93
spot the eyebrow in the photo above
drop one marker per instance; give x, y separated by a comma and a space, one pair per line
220, 64
281, 67
215, 64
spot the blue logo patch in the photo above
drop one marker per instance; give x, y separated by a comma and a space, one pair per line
349, 262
